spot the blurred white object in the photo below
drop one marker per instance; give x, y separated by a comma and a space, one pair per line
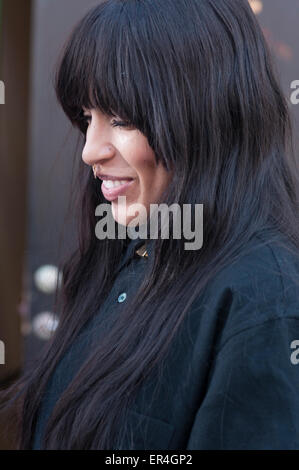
257, 6
45, 278
44, 324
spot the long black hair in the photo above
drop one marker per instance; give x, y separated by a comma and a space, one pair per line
196, 78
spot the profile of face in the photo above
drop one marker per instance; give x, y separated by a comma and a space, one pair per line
126, 163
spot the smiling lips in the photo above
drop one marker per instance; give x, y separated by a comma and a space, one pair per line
112, 187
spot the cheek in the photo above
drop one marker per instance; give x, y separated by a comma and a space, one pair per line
140, 156
152, 178
144, 163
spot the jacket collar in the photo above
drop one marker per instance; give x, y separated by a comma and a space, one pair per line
133, 246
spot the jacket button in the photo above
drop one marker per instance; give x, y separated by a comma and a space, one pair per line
122, 297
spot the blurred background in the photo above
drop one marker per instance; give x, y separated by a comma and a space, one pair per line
37, 150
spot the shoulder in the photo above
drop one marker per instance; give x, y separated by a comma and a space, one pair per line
260, 286
248, 320
265, 267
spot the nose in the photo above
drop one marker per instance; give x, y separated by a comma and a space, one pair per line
96, 150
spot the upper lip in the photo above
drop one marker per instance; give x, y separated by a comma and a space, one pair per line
113, 178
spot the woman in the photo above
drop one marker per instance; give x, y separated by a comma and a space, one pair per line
159, 346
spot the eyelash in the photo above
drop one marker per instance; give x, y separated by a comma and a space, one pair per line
119, 124
87, 120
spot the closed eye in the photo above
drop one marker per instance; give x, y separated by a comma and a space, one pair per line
116, 123
87, 118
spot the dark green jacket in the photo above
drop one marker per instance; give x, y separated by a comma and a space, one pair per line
231, 380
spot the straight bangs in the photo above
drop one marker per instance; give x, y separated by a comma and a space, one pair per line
102, 68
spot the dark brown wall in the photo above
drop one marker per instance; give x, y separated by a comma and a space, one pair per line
13, 170
14, 71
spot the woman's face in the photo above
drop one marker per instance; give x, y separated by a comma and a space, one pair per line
122, 153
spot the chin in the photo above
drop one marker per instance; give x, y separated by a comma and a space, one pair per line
129, 215
121, 215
